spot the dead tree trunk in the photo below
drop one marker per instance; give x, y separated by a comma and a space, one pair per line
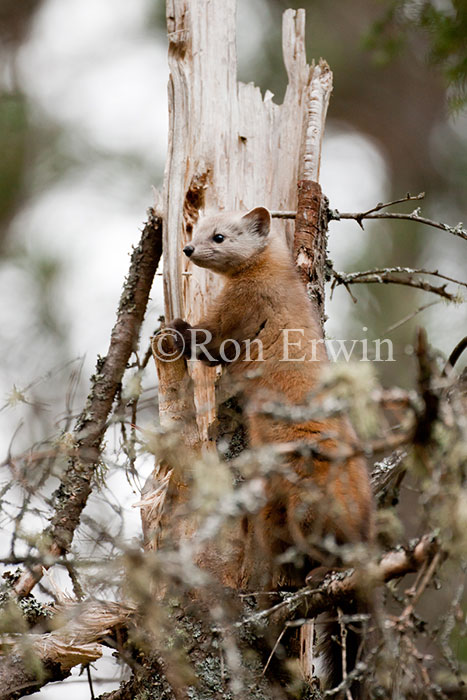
231, 149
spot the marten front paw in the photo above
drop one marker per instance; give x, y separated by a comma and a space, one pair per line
182, 336
169, 343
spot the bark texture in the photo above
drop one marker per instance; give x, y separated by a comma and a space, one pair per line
311, 224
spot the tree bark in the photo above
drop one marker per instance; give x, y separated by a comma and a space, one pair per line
229, 149
311, 220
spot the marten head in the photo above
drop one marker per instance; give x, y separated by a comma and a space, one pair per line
227, 243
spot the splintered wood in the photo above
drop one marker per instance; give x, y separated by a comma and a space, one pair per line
230, 148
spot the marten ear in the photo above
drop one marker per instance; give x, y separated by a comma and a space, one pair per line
259, 221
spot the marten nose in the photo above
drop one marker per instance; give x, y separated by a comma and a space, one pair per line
188, 249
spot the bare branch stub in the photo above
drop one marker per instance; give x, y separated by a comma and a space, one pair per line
387, 476
71, 496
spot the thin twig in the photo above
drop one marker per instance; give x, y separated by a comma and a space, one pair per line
357, 673
424, 583
457, 230
455, 354
410, 316
351, 276
91, 689
381, 205
446, 631
343, 643
376, 213
421, 659
389, 276
273, 650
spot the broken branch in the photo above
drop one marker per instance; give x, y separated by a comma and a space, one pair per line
30, 661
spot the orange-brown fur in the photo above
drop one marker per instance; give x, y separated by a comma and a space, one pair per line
310, 497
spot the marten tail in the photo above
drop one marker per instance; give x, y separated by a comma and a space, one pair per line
340, 639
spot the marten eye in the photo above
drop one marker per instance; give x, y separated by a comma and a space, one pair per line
218, 238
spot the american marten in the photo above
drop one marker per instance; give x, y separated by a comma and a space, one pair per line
265, 332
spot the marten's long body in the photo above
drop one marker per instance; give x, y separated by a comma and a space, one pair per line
318, 492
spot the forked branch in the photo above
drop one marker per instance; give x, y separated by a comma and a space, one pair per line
392, 275
376, 213
457, 230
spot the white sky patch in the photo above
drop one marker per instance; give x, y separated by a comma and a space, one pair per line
90, 26
253, 19
445, 323
87, 223
354, 178
96, 70
90, 67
